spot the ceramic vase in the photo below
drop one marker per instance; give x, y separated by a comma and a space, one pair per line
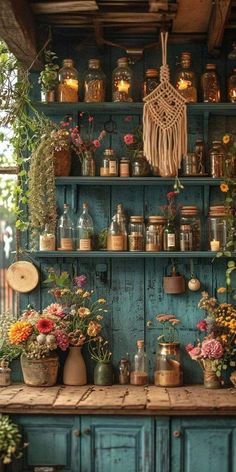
40, 372
74, 372
103, 373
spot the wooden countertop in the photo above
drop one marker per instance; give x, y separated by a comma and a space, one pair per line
117, 399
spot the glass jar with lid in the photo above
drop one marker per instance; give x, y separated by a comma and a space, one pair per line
94, 83
136, 233
217, 156
210, 85
199, 150
185, 81
109, 167
151, 81
68, 82
124, 371
124, 166
231, 87
168, 371
217, 228
139, 373
154, 233
189, 216
122, 82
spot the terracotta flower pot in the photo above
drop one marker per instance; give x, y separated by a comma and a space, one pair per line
40, 372
62, 162
74, 372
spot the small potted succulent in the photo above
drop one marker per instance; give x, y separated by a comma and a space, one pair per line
48, 78
11, 443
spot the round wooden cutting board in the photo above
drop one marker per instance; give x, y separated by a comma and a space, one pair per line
22, 276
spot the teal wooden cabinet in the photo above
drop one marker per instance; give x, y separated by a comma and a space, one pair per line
203, 445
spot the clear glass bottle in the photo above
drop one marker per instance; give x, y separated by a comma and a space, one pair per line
151, 81
117, 232
185, 81
154, 233
104, 168
94, 83
65, 231
186, 238
68, 82
5, 374
47, 240
124, 371
199, 150
136, 233
85, 230
210, 85
170, 236
88, 168
217, 156
122, 82
231, 86
217, 228
168, 371
139, 374
189, 216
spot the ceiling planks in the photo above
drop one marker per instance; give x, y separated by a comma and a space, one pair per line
63, 6
192, 16
219, 16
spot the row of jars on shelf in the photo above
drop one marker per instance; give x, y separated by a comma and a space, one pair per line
159, 234
123, 83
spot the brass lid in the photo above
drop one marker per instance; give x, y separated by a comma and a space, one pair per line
68, 62
85, 205
136, 219
211, 66
108, 152
185, 55
152, 72
185, 227
94, 63
140, 343
157, 219
123, 61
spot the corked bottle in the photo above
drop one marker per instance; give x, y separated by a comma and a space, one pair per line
68, 82
94, 83
139, 375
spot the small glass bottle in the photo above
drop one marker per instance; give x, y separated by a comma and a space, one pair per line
122, 82
117, 232
136, 233
94, 83
124, 167
139, 375
217, 156
85, 230
113, 163
154, 233
185, 81
231, 87
47, 240
151, 81
68, 82
5, 374
210, 85
124, 371
88, 167
170, 236
189, 216
199, 151
104, 168
186, 238
168, 371
66, 231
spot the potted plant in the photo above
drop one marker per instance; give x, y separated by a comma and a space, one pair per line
7, 352
48, 77
11, 443
101, 354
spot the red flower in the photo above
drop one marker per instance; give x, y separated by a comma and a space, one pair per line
171, 195
96, 143
201, 325
129, 139
44, 325
189, 347
90, 119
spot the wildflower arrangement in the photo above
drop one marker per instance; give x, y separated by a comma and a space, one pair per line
133, 141
99, 349
218, 344
169, 325
11, 444
82, 138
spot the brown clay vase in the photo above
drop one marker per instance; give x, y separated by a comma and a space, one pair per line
62, 162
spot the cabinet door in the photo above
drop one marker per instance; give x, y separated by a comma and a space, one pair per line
203, 445
52, 441
117, 444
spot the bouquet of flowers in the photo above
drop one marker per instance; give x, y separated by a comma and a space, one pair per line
169, 328
71, 321
133, 141
217, 349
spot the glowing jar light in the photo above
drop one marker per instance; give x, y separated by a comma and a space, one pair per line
185, 81
231, 87
68, 82
122, 82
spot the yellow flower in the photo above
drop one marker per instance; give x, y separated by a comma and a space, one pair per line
99, 317
224, 187
83, 312
65, 291
101, 300
19, 332
226, 139
93, 329
79, 291
221, 290
86, 295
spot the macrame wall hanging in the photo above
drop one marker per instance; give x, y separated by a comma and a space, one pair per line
165, 123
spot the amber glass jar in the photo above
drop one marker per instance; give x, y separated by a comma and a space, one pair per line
185, 81
168, 371
151, 81
136, 233
199, 150
154, 233
217, 157
122, 82
68, 82
210, 85
231, 87
191, 238
94, 83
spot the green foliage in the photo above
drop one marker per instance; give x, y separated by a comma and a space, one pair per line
48, 78
7, 351
11, 445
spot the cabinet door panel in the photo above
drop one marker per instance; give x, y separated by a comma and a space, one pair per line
117, 444
203, 445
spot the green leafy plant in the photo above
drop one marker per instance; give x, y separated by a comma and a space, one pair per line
11, 443
48, 77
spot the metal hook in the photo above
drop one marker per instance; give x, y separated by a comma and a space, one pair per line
110, 126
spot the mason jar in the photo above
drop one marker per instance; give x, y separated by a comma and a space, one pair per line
122, 82
154, 233
217, 156
168, 371
217, 228
94, 83
189, 216
68, 82
136, 233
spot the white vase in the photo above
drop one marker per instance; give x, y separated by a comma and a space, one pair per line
74, 372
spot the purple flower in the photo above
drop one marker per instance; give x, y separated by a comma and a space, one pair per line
80, 280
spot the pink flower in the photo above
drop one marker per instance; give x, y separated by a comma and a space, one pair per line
171, 195
128, 118
96, 143
189, 347
55, 309
80, 280
62, 340
129, 139
212, 349
195, 353
102, 135
201, 325
90, 119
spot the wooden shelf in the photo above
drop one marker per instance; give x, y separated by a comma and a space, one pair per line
125, 254
78, 180
128, 108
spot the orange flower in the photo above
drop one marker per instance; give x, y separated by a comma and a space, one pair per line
224, 187
93, 329
19, 332
221, 290
83, 312
226, 139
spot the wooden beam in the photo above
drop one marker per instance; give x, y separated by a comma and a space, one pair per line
219, 16
18, 31
197, 21
64, 7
